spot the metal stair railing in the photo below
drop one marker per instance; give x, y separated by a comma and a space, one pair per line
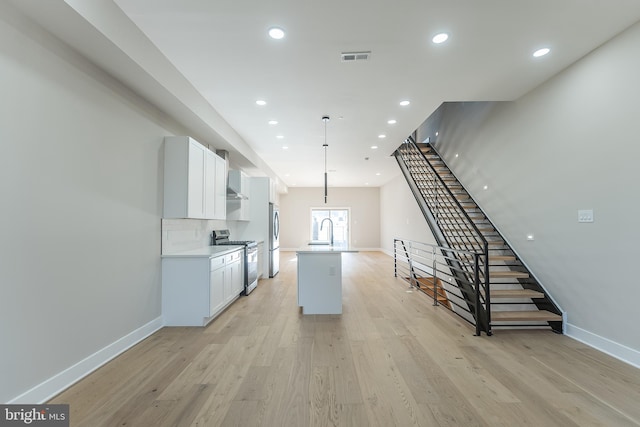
424, 266
452, 225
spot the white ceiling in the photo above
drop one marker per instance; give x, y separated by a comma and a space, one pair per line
223, 50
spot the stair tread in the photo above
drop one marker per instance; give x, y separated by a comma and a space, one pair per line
516, 316
455, 228
497, 257
510, 274
490, 243
502, 258
515, 293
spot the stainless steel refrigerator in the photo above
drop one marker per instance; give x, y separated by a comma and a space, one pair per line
274, 243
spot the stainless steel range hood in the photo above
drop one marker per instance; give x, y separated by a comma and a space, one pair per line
234, 179
234, 186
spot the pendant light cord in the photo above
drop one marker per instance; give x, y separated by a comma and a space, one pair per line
325, 119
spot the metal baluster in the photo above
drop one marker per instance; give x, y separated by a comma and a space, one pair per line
435, 278
477, 287
395, 258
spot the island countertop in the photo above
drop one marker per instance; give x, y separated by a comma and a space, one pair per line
320, 249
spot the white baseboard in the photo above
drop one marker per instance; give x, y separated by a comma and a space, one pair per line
61, 381
387, 251
605, 345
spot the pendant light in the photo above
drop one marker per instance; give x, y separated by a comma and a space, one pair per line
325, 119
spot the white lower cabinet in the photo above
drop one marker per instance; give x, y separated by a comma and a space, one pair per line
216, 285
196, 289
233, 280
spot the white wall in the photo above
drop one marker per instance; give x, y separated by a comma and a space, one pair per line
400, 216
81, 183
570, 144
295, 214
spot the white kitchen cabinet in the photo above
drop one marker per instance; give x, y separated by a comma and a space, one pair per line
320, 282
193, 176
220, 208
209, 184
197, 287
216, 285
273, 192
233, 280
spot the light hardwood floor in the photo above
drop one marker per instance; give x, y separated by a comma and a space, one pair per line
391, 359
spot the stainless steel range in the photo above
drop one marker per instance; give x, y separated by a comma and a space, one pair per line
221, 237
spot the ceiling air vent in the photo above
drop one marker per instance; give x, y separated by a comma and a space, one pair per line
355, 56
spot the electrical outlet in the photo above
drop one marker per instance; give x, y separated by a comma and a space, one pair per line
585, 215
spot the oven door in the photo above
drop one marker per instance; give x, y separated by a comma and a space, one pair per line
252, 269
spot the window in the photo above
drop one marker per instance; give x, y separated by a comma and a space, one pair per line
340, 219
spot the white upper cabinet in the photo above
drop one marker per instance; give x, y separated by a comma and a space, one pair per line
194, 180
220, 208
273, 192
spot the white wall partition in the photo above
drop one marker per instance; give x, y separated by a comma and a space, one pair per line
81, 183
400, 216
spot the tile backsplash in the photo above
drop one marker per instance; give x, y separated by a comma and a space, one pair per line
186, 234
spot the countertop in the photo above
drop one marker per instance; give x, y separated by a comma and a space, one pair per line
319, 249
204, 252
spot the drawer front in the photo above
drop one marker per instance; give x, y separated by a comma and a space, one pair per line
217, 262
234, 256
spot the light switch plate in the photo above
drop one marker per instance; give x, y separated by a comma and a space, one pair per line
585, 215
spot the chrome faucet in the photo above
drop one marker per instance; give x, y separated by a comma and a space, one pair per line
331, 228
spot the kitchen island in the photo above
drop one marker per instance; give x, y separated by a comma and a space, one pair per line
320, 278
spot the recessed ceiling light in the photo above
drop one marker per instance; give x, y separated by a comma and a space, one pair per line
456, 154
276, 33
284, 147
382, 136
392, 121
280, 136
440, 38
405, 103
273, 122
436, 133
377, 173
261, 102
485, 187
374, 147
541, 52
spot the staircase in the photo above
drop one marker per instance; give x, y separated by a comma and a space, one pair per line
513, 298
